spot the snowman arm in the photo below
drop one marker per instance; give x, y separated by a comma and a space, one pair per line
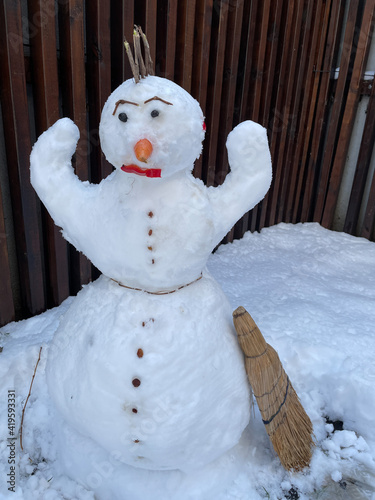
53, 177
249, 179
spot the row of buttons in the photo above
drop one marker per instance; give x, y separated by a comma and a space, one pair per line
136, 381
150, 248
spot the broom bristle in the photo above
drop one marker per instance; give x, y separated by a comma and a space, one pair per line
286, 422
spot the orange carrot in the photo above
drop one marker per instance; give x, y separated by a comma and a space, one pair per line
143, 150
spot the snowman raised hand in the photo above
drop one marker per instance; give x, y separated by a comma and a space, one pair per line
145, 362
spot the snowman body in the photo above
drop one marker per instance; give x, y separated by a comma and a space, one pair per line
157, 381
146, 362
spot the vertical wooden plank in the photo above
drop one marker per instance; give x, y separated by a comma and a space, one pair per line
166, 38
317, 110
367, 230
46, 105
269, 204
217, 52
122, 22
98, 80
247, 48
202, 40
258, 63
7, 312
229, 89
263, 87
171, 39
270, 57
72, 45
203, 18
185, 43
338, 103
362, 167
18, 148
289, 113
229, 84
305, 83
244, 83
150, 26
349, 113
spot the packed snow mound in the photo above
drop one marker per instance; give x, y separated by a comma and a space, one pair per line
312, 293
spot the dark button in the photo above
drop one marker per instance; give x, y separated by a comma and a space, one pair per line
150, 232
153, 261
150, 214
140, 353
134, 410
136, 382
136, 441
149, 248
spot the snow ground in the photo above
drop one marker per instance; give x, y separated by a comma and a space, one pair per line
312, 293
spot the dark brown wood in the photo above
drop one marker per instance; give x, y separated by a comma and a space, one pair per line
349, 114
304, 84
201, 58
71, 19
368, 224
7, 312
243, 87
150, 26
259, 62
229, 81
18, 147
295, 88
362, 168
98, 80
166, 38
121, 27
320, 96
339, 101
290, 106
270, 204
258, 72
229, 87
46, 98
272, 42
217, 54
184, 43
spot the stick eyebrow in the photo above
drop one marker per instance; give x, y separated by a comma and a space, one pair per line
121, 101
156, 98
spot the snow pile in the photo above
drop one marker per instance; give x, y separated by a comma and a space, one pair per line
312, 294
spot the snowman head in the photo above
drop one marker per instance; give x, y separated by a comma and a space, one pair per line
152, 128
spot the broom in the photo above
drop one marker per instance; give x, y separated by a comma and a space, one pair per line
286, 422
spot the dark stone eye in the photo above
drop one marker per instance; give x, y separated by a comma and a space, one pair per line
154, 113
123, 117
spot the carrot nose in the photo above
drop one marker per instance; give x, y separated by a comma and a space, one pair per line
143, 150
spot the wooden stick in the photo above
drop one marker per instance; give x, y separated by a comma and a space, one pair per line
23, 411
148, 60
138, 52
134, 67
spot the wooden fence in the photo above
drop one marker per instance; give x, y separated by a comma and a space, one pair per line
272, 61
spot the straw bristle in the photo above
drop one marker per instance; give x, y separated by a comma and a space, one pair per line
287, 423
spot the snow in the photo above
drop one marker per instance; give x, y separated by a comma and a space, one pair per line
190, 363
153, 234
312, 293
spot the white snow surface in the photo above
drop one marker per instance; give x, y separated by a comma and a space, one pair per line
312, 293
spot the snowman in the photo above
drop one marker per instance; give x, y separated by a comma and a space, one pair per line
145, 363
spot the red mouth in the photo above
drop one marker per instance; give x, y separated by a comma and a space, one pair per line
147, 172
